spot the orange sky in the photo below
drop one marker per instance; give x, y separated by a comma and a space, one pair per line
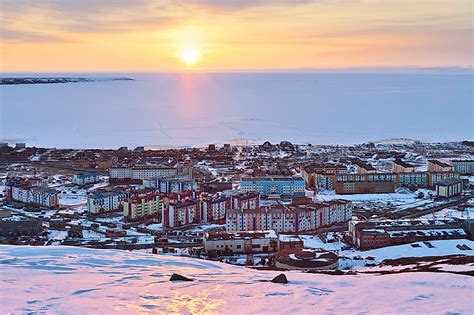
146, 35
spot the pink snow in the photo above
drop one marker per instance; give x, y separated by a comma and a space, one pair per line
71, 280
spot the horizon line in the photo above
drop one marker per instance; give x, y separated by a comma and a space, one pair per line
263, 70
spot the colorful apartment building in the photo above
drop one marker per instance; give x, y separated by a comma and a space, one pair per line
278, 186
365, 183
213, 209
25, 193
291, 219
173, 184
244, 201
178, 213
318, 175
142, 206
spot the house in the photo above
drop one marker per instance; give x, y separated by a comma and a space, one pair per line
438, 166
449, 188
240, 242
274, 186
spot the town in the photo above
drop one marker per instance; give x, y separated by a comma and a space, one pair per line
269, 206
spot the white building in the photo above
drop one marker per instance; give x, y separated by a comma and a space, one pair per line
105, 201
86, 178
141, 172
121, 172
151, 172
240, 242
42, 196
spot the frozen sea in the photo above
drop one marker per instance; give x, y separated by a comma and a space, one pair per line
183, 109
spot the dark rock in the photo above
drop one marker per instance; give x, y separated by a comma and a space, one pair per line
338, 272
176, 277
281, 278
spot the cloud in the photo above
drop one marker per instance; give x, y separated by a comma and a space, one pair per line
243, 4
19, 17
8, 35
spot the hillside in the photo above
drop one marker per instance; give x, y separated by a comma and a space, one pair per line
69, 280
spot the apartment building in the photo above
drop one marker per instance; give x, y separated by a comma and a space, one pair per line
438, 166
399, 166
318, 175
244, 201
293, 219
364, 168
413, 179
25, 193
213, 209
142, 206
86, 178
173, 184
274, 186
105, 201
140, 172
365, 183
178, 213
463, 167
435, 177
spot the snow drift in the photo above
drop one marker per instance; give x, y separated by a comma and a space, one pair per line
71, 280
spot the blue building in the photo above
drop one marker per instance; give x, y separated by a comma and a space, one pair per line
86, 178
170, 184
274, 185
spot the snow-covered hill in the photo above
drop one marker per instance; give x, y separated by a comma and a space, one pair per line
71, 280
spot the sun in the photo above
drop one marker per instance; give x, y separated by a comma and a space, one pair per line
189, 55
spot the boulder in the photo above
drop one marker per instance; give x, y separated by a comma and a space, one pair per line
281, 278
176, 277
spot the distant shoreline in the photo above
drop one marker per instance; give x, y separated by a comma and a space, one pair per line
54, 80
